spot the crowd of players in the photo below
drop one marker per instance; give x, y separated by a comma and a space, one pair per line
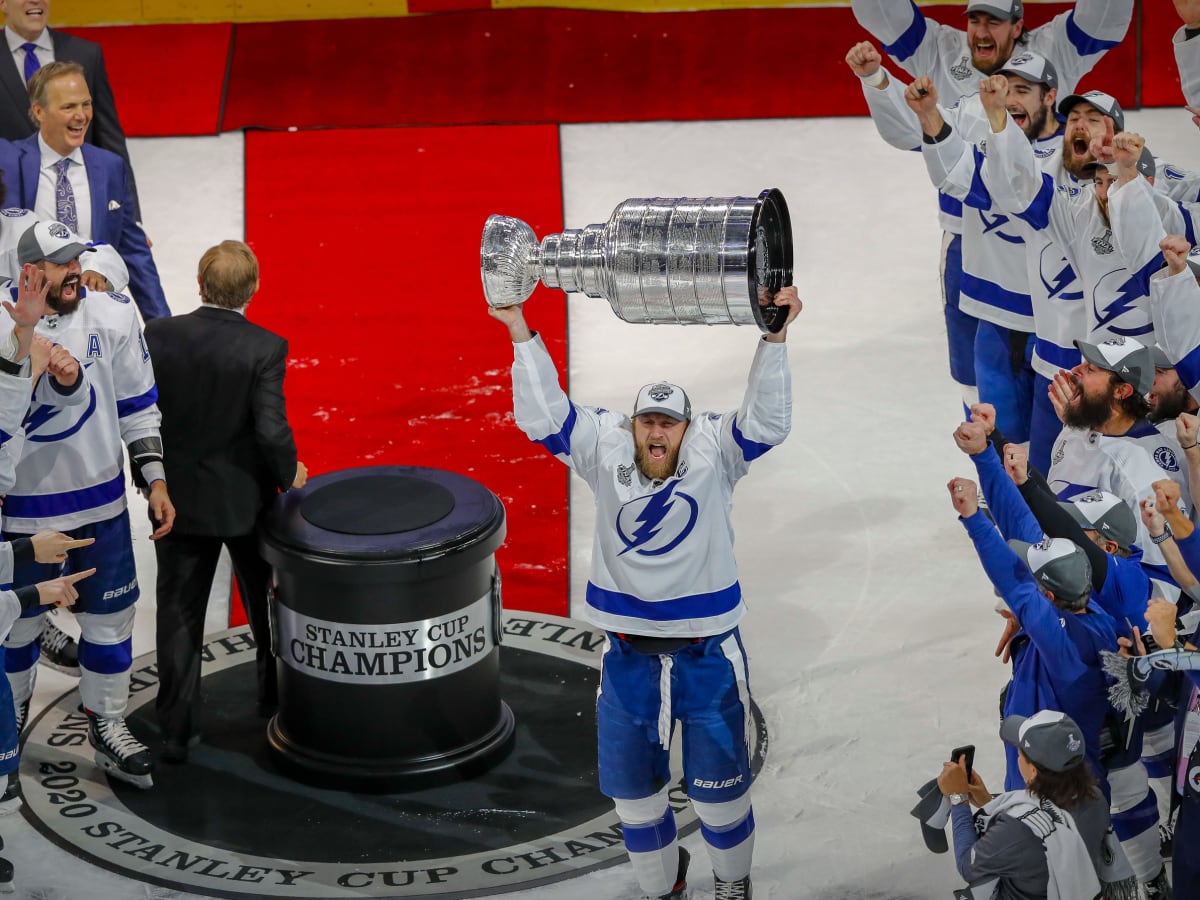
1072, 307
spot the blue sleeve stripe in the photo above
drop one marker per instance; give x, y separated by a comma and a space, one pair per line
560, 443
106, 659
130, 405
987, 292
1188, 369
906, 45
648, 838
751, 450
693, 606
1189, 227
1038, 213
951, 206
1063, 357
5, 437
1141, 278
978, 196
1084, 42
44, 506
729, 836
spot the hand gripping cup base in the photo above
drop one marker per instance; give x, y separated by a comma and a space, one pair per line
703, 261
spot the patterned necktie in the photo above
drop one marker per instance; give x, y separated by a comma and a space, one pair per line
31, 60
64, 197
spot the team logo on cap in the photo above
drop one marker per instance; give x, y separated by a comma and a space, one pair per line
58, 231
1090, 497
1019, 60
1166, 459
1043, 544
1073, 743
1102, 244
660, 392
1118, 341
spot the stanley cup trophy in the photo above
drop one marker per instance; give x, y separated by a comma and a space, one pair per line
705, 261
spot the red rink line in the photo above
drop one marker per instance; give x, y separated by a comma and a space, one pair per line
369, 246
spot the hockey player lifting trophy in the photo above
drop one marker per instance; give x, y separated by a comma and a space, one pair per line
688, 261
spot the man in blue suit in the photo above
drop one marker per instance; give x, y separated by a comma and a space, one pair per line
62, 178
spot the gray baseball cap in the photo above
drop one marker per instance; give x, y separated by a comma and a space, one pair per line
1131, 360
999, 9
52, 241
1032, 67
1049, 738
1058, 565
1105, 513
1159, 355
1106, 103
663, 397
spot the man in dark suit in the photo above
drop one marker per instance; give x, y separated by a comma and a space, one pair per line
31, 44
227, 441
62, 178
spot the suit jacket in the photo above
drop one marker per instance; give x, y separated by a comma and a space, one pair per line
227, 445
114, 220
105, 130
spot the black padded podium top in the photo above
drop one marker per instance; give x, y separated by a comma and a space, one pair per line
377, 504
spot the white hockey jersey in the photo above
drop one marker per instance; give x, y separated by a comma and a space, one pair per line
1175, 306
103, 258
662, 556
1073, 41
1187, 58
1116, 299
1055, 295
71, 472
1126, 465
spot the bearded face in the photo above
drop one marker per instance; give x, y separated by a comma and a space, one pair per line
63, 284
1091, 406
656, 441
1169, 397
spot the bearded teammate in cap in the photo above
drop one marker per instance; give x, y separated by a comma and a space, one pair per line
71, 478
955, 60
664, 587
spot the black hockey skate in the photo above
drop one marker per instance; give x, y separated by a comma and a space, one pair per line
59, 651
22, 715
1158, 888
6, 873
680, 891
733, 890
118, 752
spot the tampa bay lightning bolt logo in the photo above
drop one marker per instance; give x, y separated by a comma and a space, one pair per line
1127, 313
1057, 275
1166, 459
657, 523
42, 418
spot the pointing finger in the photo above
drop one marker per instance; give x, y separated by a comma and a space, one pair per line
78, 576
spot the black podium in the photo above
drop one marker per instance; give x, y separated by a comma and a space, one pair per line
385, 619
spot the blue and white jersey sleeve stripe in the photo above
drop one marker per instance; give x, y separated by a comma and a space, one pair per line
765, 417
548, 417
